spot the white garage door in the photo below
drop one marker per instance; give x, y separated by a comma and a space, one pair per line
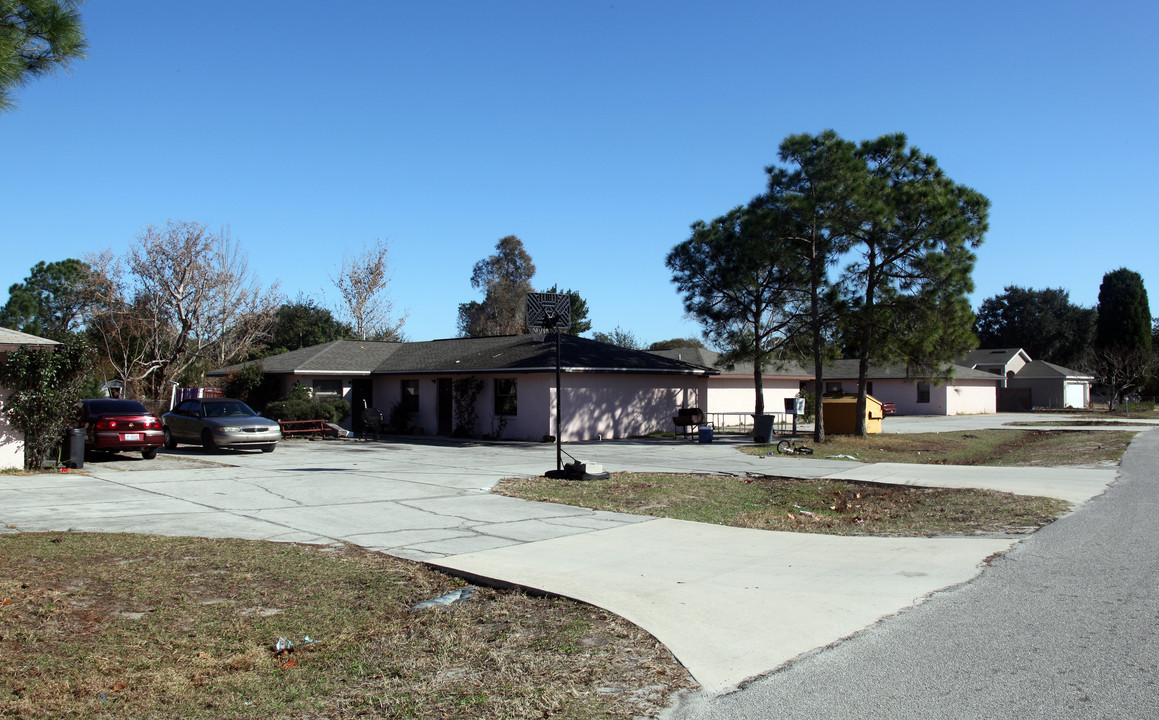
1075, 395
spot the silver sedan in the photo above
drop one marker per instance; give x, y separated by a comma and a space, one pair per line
218, 423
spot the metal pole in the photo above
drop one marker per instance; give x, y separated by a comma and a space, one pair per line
558, 410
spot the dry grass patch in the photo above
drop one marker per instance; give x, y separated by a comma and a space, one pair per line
129, 626
776, 503
979, 447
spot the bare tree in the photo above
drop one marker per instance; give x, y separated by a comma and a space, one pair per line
1122, 370
362, 283
122, 326
240, 313
183, 296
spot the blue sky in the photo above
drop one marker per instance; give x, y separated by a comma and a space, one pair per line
596, 132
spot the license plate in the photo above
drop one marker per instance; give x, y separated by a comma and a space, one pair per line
131, 437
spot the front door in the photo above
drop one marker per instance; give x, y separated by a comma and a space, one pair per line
361, 398
446, 407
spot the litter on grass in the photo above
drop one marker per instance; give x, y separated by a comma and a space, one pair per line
452, 597
283, 645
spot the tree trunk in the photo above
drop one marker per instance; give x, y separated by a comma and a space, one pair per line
759, 384
860, 429
818, 363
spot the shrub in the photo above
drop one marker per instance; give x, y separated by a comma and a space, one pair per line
252, 386
44, 386
466, 391
331, 411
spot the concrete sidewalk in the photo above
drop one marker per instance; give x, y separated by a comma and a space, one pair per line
730, 603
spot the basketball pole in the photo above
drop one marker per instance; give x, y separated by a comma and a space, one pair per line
558, 409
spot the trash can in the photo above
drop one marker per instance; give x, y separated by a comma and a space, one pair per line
74, 448
705, 433
763, 429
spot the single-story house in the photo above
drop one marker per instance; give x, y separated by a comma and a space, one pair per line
607, 391
11, 440
731, 396
1027, 383
964, 391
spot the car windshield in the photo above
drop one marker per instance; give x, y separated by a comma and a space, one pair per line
228, 409
101, 407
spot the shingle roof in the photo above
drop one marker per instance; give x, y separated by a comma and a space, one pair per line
835, 370
1043, 369
15, 337
490, 354
991, 356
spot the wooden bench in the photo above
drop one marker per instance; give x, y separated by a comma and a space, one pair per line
304, 427
688, 418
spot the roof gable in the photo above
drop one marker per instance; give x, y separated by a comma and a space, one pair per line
991, 357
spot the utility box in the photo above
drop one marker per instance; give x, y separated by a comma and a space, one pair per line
841, 415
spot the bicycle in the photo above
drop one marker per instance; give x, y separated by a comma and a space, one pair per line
793, 446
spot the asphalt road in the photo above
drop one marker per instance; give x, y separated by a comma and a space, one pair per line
1065, 625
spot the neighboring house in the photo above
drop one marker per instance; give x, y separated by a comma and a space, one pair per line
731, 395
1027, 384
965, 391
11, 440
1005, 362
607, 391
1052, 386
962, 391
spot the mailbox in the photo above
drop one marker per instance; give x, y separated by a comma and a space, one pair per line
795, 406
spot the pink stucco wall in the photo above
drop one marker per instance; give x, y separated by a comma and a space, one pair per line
624, 405
11, 441
736, 394
962, 397
972, 397
611, 405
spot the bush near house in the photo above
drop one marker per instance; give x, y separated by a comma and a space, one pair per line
331, 411
44, 386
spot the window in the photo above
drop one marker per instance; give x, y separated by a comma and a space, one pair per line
869, 387
409, 394
923, 392
327, 389
506, 397
833, 388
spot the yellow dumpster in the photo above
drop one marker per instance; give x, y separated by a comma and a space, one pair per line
841, 415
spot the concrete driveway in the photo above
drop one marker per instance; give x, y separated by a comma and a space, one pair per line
730, 603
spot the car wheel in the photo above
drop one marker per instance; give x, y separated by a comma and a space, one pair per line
208, 443
268, 448
170, 441
149, 453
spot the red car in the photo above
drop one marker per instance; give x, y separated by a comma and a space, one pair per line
113, 425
